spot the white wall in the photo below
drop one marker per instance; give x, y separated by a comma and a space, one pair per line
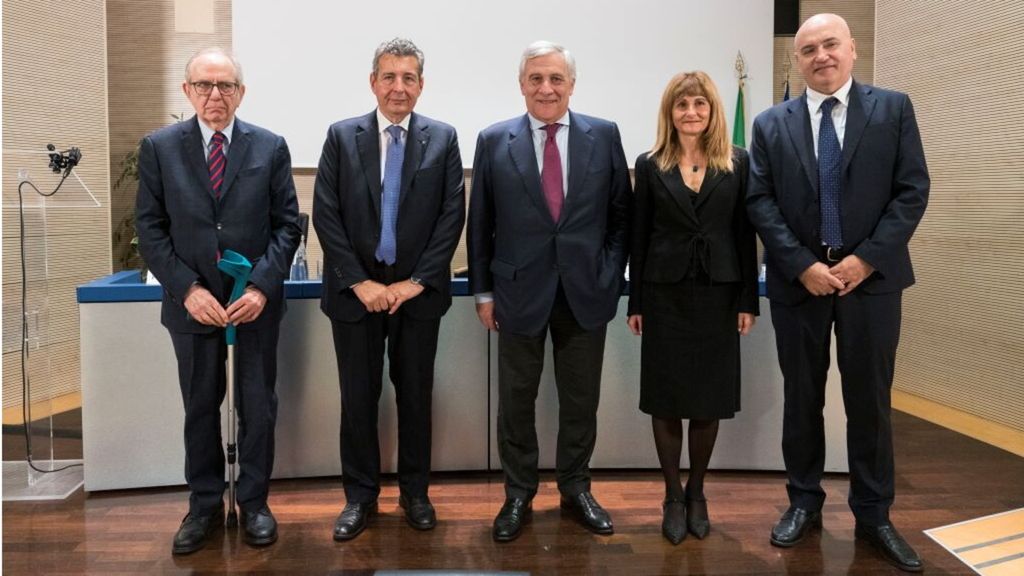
307, 63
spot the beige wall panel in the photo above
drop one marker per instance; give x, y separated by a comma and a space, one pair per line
962, 343
54, 91
146, 69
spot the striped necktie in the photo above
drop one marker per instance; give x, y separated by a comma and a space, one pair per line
217, 162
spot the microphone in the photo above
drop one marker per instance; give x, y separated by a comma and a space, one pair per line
65, 160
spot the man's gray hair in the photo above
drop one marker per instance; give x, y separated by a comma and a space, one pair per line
543, 48
214, 50
399, 47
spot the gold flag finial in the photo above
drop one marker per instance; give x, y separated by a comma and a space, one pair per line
741, 67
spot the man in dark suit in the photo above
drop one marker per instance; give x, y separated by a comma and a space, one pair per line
388, 207
838, 183
209, 184
548, 228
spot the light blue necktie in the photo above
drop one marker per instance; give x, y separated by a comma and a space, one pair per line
830, 160
389, 197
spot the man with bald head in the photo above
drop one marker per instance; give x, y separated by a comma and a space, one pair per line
209, 184
838, 183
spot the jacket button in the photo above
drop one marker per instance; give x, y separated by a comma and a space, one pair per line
219, 225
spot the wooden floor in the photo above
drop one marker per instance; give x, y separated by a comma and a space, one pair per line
943, 477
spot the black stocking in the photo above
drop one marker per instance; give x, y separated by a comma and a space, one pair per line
668, 439
702, 441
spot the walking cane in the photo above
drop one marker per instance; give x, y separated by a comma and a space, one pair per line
238, 267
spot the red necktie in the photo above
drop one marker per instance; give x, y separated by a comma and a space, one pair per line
551, 174
216, 162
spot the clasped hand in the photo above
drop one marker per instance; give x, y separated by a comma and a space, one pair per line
205, 309
844, 277
378, 297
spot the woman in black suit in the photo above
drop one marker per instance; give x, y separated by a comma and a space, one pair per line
693, 272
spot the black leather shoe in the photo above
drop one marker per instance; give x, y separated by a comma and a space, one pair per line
697, 521
419, 512
514, 514
673, 522
352, 520
588, 512
793, 526
195, 531
893, 547
260, 527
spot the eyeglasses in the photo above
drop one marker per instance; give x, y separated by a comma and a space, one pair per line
206, 88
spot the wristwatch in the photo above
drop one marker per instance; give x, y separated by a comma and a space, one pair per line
416, 280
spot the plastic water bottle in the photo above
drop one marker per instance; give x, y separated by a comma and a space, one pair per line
299, 269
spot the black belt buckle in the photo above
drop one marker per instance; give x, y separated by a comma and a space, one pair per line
833, 254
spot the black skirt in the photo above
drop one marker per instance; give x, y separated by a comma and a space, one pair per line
690, 351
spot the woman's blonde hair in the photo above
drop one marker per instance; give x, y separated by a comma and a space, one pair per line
714, 141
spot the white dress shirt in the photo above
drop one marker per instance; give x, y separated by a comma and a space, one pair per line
540, 136
382, 125
208, 133
814, 101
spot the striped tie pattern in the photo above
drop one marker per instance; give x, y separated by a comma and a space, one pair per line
217, 162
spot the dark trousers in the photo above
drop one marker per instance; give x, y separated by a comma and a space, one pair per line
201, 374
578, 356
411, 347
867, 331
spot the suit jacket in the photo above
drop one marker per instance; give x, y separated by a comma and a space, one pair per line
885, 187
518, 252
182, 226
347, 212
673, 235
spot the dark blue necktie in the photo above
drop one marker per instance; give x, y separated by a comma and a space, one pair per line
389, 197
830, 159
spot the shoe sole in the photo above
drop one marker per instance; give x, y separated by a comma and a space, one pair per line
182, 551
420, 527
814, 525
266, 541
857, 534
569, 509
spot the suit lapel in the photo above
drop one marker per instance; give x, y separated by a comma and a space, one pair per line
581, 148
192, 142
524, 158
862, 104
416, 142
238, 152
673, 182
798, 123
711, 181
368, 143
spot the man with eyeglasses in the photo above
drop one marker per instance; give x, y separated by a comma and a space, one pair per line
209, 184
388, 207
